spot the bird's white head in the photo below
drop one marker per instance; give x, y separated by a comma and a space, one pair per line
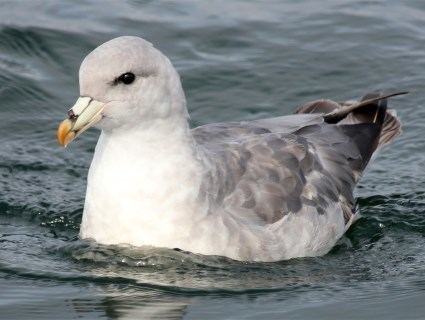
124, 82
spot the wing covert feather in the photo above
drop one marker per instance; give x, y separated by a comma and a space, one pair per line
257, 172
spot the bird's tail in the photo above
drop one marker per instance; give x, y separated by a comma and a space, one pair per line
372, 108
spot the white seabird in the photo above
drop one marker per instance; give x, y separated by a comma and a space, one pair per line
261, 190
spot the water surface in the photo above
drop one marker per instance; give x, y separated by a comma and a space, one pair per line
238, 61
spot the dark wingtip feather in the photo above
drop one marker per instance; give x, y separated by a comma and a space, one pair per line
373, 104
367, 122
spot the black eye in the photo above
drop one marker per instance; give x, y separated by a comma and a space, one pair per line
126, 78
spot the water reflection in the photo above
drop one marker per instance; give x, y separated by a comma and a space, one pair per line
121, 306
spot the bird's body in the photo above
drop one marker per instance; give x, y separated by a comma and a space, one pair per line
263, 190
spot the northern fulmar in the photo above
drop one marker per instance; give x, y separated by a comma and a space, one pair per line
262, 190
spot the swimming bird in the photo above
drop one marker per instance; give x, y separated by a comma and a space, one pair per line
262, 190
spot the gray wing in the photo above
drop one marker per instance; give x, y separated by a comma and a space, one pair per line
268, 168
273, 174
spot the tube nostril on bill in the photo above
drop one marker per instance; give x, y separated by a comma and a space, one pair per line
71, 115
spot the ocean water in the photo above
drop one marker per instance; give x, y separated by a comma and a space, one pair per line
239, 60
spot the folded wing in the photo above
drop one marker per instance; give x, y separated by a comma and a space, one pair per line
262, 170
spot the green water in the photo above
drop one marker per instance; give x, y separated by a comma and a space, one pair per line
239, 60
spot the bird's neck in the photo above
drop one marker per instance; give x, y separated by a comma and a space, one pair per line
149, 140
141, 177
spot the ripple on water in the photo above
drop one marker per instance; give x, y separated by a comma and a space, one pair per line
371, 252
237, 61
